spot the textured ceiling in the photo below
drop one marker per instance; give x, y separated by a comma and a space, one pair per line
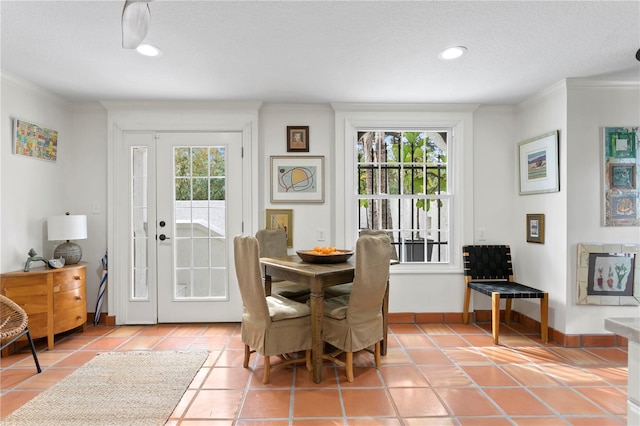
320, 51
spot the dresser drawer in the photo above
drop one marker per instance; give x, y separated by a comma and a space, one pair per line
72, 318
68, 280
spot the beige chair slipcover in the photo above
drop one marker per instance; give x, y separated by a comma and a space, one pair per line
345, 289
273, 243
354, 322
271, 325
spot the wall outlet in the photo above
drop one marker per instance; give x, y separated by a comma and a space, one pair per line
321, 234
482, 234
96, 207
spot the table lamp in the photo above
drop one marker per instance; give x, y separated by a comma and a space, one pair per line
67, 227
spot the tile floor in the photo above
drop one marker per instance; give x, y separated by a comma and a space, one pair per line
433, 374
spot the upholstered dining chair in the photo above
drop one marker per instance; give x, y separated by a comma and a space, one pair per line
14, 323
342, 289
271, 325
273, 243
354, 322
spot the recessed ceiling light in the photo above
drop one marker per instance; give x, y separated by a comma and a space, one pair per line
452, 53
148, 50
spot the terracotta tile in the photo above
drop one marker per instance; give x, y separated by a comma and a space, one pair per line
566, 401
483, 421
430, 421
577, 356
222, 329
517, 402
453, 317
143, 343
597, 340
183, 404
227, 378
11, 401
13, 377
187, 330
479, 340
529, 375
449, 341
233, 358
429, 318
537, 421
313, 422
210, 423
399, 318
73, 343
383, 421
465, 329
46, 379
106, 344
445, 376
488, 375
428, 357
466, 402
249, 422
540, 355
613, 355
414, 341
215, 404
617, 376
304, 379
363, 378
157, 330
435, 329
595, 421
395, 356
125, 331
367, 402
174, 344
403, 376
262, 403
199, 378
502, 355
572, 375
611, 399
316, 403
46, 359
467, 356
77, 359
417, 402
404, 329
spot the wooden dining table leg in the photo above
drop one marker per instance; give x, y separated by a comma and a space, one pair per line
316, 302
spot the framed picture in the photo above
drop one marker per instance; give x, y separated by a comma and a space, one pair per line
620, 167
607, 274
538, 160
535, 228
280, 219
297, 138
34, 141
297, 179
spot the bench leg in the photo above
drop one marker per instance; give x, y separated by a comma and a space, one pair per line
507, 311
544, 318
465, 312
495, 316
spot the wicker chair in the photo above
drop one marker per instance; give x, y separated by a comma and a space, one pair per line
14, 325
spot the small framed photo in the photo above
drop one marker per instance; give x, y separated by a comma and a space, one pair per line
280, 219
622, 176
535, 228
297, 138
297, 179
538, 160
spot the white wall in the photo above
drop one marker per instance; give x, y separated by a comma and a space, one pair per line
592, 106
32, 189
308, 218
543, 266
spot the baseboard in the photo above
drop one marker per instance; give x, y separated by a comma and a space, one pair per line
555, 336
105, 318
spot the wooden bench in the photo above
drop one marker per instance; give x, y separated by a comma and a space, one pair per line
488, 270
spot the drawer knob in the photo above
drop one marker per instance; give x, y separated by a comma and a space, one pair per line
78, 297
76, 277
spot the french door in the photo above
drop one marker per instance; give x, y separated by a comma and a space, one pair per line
186, 206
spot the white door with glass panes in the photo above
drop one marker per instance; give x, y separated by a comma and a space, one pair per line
186, 197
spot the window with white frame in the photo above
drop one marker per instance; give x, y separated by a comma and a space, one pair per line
402, 189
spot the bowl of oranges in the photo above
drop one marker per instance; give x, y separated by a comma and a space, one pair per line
325, 255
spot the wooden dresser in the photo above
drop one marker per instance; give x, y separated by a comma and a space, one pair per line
54, 299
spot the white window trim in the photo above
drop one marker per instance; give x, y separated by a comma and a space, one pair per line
349, 118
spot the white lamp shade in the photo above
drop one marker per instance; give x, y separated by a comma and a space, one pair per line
67, 227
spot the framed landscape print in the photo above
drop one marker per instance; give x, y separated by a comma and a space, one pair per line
620, 167
538, 161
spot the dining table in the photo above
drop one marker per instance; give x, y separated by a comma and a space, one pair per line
317, 276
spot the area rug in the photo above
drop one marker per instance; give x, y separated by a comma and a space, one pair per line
115, 388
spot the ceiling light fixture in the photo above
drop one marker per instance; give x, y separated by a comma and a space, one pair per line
452, 53
148, 50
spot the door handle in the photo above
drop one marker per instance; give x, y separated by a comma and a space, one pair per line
163, 237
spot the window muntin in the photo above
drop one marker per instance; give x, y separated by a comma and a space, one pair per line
402, 188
